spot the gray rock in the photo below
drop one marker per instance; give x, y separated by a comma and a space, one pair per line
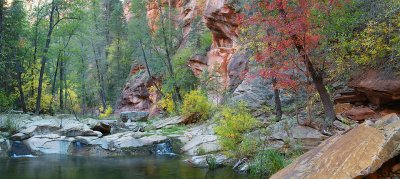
126, 140
4, 147
75, 131
167, 122
201, 161
49, 144
132, 116
204, 143
40, 130
255, 92
19, 136
130, 142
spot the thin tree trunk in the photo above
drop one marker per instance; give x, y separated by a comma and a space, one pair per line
316, 77
44, 58
148, 69
278, 104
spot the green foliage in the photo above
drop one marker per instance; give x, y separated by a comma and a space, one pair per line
6, 102
233, 123
248, 147
201, 151
267, 162
212, 162
196, 106
184, 77
10, 126
173, 130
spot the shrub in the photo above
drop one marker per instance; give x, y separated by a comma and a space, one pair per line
10, 126
196, 106
267, 162
106, 113
248, 147
167, 104
5, 101
211, 162
233, 123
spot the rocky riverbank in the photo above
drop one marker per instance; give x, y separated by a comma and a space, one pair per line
128, 136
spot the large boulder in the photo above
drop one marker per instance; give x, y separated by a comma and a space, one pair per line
202, 144
49, 144
356, 153
255, 92
289, 129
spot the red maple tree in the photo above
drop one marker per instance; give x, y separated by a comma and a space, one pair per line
290, 38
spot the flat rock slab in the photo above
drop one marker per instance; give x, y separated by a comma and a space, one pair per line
358, 152
166, 122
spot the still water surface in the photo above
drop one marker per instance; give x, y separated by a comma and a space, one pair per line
70, 167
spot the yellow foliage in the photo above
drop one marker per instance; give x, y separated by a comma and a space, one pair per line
167, 103
233, 123
376, 45
196, 106
107, 112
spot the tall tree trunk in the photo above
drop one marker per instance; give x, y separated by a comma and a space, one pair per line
53, 86
278, 104
100, 79
83, 105
1, 27
35, 45
44, 58
177, 95
61, 93
19, 70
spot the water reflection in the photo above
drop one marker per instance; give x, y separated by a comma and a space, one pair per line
68, 167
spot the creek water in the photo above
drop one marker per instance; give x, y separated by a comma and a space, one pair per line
74, 167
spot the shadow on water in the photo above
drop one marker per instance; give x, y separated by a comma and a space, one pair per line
19, 150
70, 167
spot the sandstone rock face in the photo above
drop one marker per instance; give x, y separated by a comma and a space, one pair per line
379, 87
198, 64
359, 152
359, 114
135, 95
220, 18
